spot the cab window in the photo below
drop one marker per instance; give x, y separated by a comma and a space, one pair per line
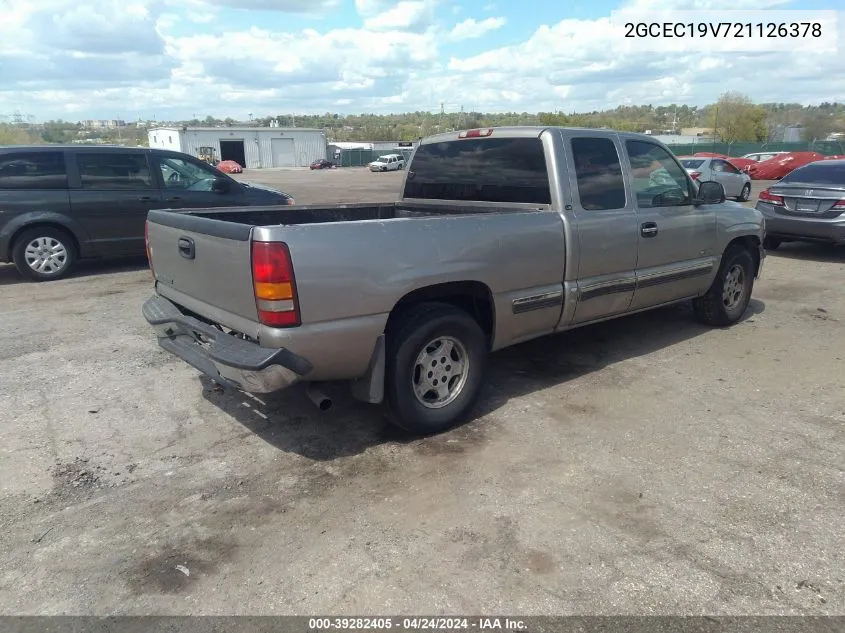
657, 178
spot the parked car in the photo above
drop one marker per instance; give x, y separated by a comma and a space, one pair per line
807, 204
390, 162
63, 203
322, 163
489, 246
230, 167
759, 157
779, 166
736, 182
741, 163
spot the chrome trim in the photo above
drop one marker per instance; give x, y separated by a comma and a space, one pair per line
602, 288
663, 277
537, 302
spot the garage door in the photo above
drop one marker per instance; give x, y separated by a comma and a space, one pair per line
283, 155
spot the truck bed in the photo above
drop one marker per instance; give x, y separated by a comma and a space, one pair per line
322, 214
353, 263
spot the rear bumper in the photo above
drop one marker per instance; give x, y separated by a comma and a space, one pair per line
802, 228
226, 359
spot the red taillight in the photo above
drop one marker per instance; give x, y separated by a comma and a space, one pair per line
476, 133
148, 247
840, 205
695, 175
274, 284
767, 196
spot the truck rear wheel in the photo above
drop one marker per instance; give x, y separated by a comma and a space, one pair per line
43, 253
728, 296
436, 358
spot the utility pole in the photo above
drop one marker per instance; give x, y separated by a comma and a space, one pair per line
440, 120
715, 128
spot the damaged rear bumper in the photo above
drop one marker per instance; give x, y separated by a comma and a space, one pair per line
227, 359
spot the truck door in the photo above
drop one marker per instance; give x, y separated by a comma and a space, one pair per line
676, 238
606, 226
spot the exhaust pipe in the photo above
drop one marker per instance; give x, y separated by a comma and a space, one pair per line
320, 400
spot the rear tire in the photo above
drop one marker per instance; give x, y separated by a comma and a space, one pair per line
728, 296
44, 254
436, 356
745, 194
771, 243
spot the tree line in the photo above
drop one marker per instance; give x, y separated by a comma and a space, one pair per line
734, 117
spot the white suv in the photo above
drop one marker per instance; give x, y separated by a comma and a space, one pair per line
390, 162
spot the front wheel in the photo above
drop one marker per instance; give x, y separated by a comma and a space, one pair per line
745, 194
436, 358
43, 254
728, 296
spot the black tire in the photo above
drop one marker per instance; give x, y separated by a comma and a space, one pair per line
771, 243
39, 239
407, 341
745, 194
717, 309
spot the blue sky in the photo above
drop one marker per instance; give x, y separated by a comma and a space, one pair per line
168, 59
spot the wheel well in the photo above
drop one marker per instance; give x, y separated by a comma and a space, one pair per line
52, 225
472, 297
750, 243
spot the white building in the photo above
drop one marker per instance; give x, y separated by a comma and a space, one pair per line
251, 147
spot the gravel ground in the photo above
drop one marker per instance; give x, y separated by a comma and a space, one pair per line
647, 465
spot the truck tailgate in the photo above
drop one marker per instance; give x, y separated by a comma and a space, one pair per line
204, 265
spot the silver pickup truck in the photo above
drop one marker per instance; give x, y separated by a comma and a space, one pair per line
501, 235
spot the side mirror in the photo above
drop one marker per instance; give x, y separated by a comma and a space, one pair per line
220, 185
710, 192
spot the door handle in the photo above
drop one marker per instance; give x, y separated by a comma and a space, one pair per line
170, 199
187, 248
648, 229
145, 198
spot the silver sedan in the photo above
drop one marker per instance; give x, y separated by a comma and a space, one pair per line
736, 182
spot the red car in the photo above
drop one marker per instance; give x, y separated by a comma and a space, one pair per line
229, 167
322, 163
779, 166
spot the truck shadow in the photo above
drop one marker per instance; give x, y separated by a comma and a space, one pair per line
291, 423
809, 251
9, 275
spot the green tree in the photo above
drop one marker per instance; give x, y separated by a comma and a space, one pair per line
16, 135
735, 118
817, 125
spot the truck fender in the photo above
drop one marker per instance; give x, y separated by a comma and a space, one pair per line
370, 386
749, 233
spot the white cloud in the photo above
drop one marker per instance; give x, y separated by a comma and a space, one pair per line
97, 58
285, 6
470, 28
412, 15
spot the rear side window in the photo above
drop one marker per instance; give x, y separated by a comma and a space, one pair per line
599, 174
114, 170
818, 174
33, 170
482, 170
692, 164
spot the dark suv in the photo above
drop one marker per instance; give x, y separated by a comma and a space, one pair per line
62, 203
